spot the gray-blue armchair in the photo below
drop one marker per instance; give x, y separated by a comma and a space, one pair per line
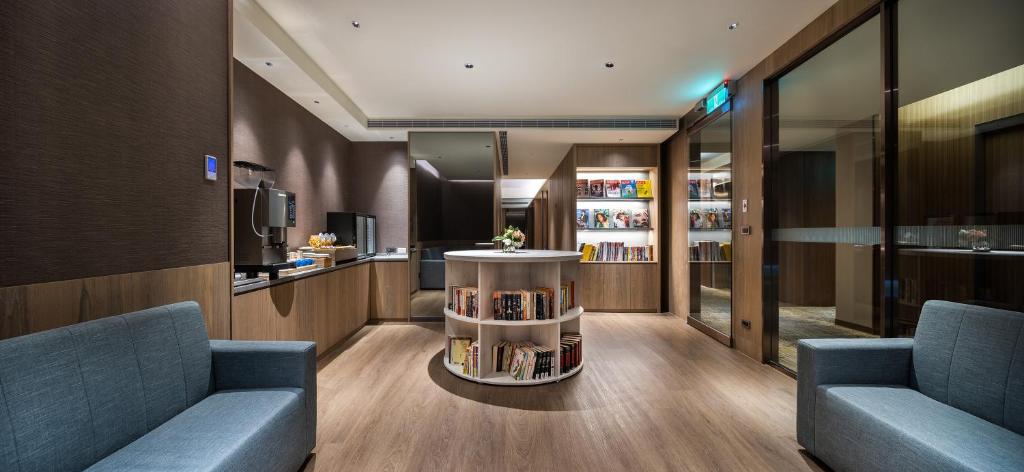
149, 391
951, 398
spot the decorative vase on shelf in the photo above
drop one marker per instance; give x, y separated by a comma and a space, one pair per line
511, 239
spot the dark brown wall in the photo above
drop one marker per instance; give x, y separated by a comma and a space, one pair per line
311, 158
428, 206
379, 185
468, 209
106, 111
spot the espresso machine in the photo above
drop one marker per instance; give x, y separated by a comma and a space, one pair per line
263, 215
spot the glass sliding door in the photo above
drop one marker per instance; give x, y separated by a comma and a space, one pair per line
960, 162
710, 230
823, 234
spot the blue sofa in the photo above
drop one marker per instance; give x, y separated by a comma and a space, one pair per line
432, 268
149, 391
950, 399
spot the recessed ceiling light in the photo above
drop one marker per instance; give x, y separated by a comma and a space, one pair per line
733, 26
468, 65
487, 146
609, 64
355, 23
620, 140
269, 64
316, 101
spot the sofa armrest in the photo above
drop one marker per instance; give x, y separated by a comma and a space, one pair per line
268, 364
845, 361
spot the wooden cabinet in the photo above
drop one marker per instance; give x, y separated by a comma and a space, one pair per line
620, 287
325, 308
389, 291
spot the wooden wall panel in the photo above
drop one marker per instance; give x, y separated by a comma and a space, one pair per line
676, 163
106, 112
561, 199
616, 155
32, 308
389, 291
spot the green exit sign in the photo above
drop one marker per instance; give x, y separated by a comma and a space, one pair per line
717, 98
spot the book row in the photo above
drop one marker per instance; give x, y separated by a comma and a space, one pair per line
622, 219
521, 360
710, 251
612, 188
464, 301
612, 251
711, 218
716, 188
514, 305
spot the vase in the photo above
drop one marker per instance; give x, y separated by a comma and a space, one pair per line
508, 248
981, 245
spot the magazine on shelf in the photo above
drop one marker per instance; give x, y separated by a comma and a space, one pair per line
612, 189
582, 188
696, 219
643, 189
726, 214
694, 185
597, 188
711, 219
582, 219
641, 218
621, 218
628, 188
705, 189
602, 218
721, 188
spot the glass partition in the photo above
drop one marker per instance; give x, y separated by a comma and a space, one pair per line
710, 229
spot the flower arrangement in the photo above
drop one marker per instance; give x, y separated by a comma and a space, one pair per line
511, 239
978, 239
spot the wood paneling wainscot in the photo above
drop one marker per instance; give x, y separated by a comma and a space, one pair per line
389, 291
26, 309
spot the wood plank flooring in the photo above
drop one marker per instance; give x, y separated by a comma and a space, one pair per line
654, 394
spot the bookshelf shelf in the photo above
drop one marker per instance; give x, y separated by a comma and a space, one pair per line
611, 199
485, 272
612, 230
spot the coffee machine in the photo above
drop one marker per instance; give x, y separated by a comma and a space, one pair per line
262, 216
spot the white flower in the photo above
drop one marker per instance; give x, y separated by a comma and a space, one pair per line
507, 241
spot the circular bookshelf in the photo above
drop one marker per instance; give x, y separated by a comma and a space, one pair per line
524, 285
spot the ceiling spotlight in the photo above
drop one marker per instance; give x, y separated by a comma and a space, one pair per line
609, 64
316, 101
620, 140
355, 24
733, 26
468, 65
269, 64
488, 146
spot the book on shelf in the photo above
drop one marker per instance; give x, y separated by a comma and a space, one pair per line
570, 351
710, 251
568, 300
641, 218
582, 218
597, 188
602, 218
523, 360
519, 305
694, 185
643, 189
614, 251
471, 366
612, 188
464, 301
457, 346
621, 218
582, 188
628, 188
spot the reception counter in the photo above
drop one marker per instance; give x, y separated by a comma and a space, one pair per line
325, 305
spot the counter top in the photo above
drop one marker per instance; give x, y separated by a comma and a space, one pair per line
529, 255
311, 273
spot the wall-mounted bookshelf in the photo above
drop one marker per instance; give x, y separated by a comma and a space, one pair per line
512, 319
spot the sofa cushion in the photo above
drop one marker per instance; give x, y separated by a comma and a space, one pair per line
72, 395
231, 430
876, 428
972, 358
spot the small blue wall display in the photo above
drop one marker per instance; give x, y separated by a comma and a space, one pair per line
211, 167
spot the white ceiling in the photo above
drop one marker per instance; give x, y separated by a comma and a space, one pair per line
533, 59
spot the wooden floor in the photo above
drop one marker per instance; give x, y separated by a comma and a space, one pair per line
654, 394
